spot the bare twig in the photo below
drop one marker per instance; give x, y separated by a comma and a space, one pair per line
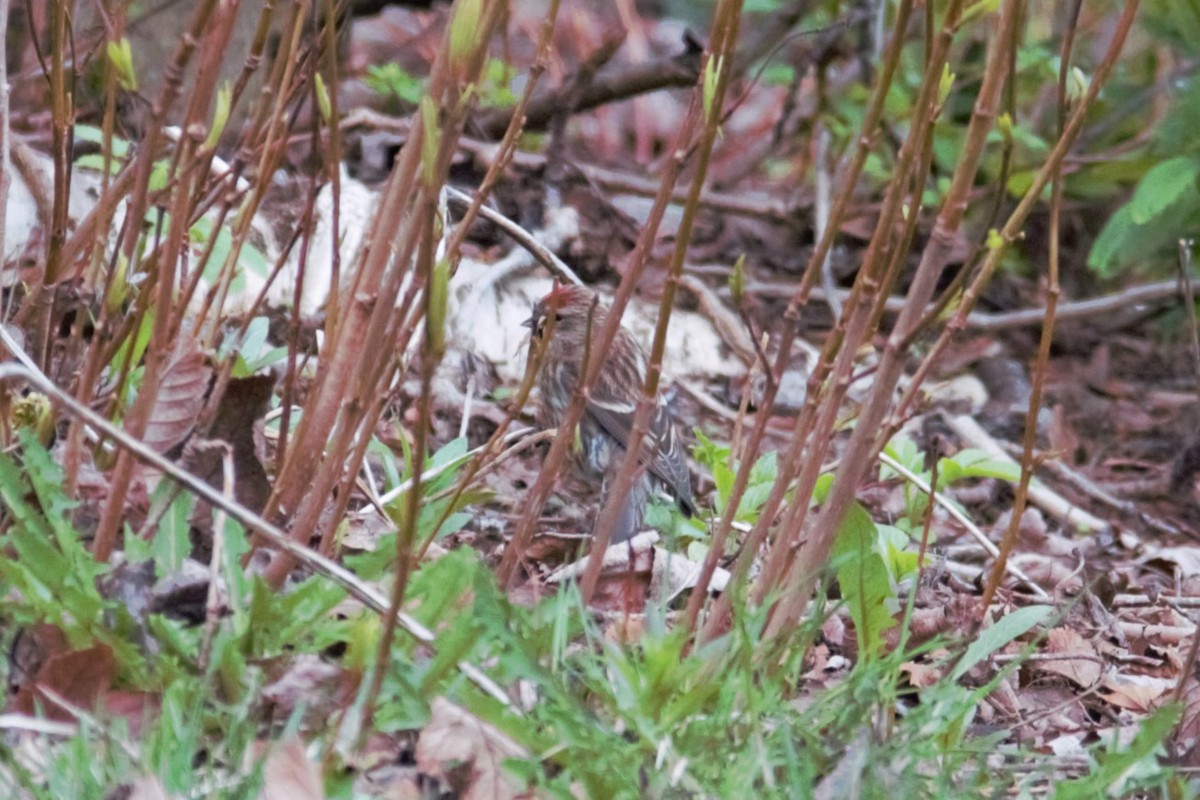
1011, 231
1095, 309
544, 255
1188, 670
1009, 540
753, 204
5, 133
1185, 287
678, 71
455, 73
515, 440
801, 563
159, 351
824, 175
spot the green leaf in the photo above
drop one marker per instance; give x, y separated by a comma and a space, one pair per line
90, 133
451, 455
707, 452
1164, 185
1176, 133
901, 561
160, 175
778, 74
973, 463
712, 71
999, 634
723, 478
52, 571
96, 161
172, 541
979, 9
864, 579
435, 319
1124, 242
946, 83
236, 545
497, 85
1105, 255
118, 285
134, 347
904, 450
391, 79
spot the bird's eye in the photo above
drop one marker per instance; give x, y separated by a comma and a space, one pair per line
558, 317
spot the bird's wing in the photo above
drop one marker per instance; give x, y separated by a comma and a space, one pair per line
662, 451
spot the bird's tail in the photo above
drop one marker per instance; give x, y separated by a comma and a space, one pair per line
633, 507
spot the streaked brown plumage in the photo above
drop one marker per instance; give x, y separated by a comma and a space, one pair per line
607, 420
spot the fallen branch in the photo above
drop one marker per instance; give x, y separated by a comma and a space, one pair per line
1090, 309
679, 71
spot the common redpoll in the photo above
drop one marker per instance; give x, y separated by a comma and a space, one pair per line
607, 420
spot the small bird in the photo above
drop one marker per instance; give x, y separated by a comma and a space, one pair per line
607, 421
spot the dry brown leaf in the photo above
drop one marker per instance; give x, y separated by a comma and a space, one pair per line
1051, 710
1081, 663
180, 398
922, 675
138, 709
1182, 560
467, 753
1063, 438
243, 404
79, 677
308, 679
625, 578
390, 783
1135, 692
289, 775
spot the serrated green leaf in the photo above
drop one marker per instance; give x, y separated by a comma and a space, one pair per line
863, 577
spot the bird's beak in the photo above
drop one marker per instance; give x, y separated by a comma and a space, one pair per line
532, 322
